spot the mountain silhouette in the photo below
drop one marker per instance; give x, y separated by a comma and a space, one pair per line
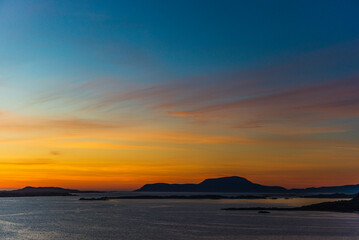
225, 184
240, 184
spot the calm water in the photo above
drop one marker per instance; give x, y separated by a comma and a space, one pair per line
67, 218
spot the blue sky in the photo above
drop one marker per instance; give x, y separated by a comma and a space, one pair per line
161, 40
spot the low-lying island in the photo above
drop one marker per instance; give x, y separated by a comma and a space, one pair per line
337, 206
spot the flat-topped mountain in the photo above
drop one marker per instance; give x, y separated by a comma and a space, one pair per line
40, 191
225, 184
240, 184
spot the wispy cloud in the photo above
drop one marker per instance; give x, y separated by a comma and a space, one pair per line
25, 163
14, 121
313, 90
55, 153
315, 93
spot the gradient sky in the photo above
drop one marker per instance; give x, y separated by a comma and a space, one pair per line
116, 94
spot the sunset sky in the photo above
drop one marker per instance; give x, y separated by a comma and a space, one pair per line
116, 94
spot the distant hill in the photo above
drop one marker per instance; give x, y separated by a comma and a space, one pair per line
240, 184
225, 184
40, 191
351, 189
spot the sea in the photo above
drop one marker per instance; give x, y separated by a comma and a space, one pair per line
62, 218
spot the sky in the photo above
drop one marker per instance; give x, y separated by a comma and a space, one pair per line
116, 94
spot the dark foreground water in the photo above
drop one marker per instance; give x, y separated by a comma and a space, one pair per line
62, 218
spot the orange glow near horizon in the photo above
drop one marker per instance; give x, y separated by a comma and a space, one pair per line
128, 159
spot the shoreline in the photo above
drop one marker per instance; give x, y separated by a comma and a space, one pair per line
336, 206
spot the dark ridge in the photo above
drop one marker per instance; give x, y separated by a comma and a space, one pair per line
225, 184
349, 189
238, 184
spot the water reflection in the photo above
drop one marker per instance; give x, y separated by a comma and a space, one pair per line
67, 218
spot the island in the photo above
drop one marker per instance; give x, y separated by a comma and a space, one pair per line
213, 197
42, 191
337, 206
225, 184
237, 184
331, 195
220, 188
